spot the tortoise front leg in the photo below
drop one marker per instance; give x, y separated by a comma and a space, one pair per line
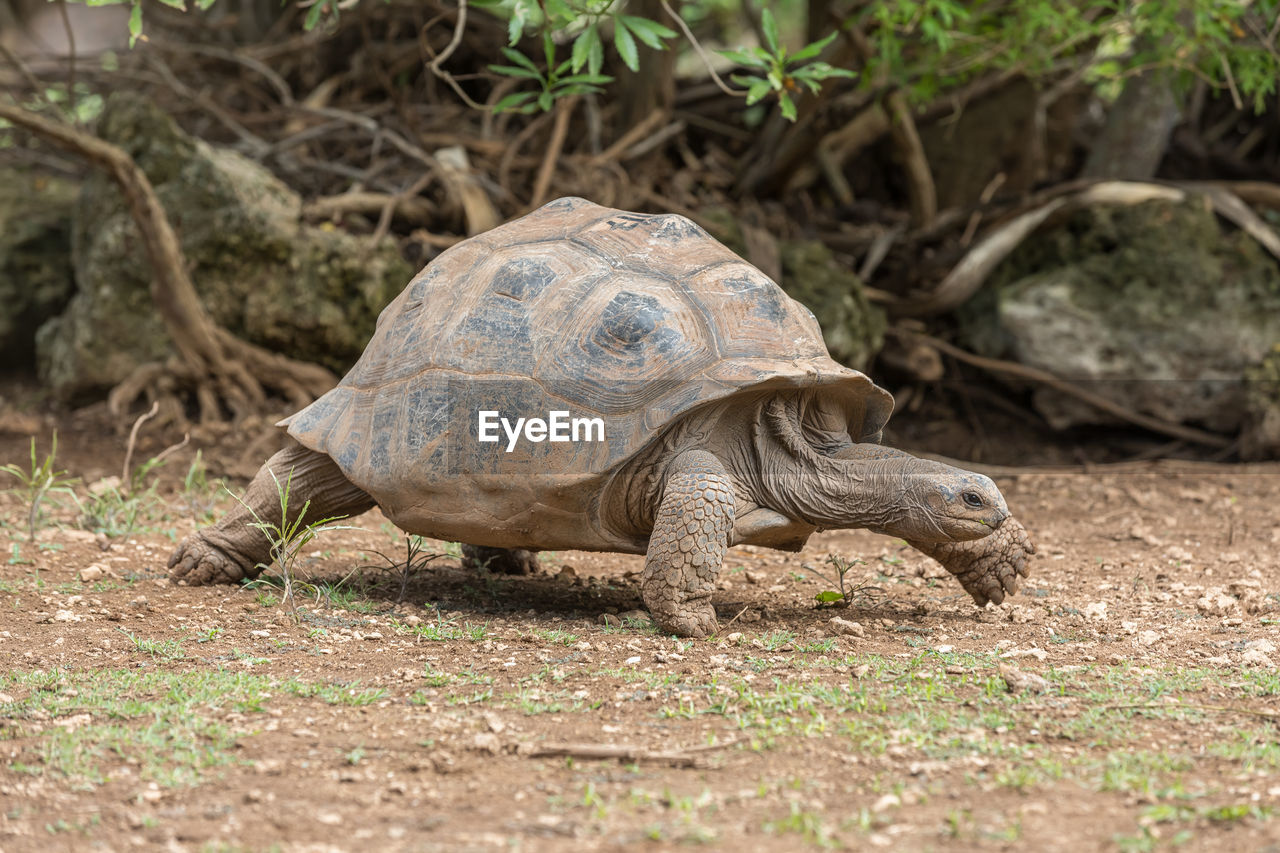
689, 539
988, 568
231, 549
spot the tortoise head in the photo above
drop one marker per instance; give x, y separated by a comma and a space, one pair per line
941, 503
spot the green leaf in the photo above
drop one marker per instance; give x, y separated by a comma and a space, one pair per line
810, 51
744, 58
135, 23
582, 47
650, 32
545, 100
828, 596
757, 88
788, 106
513, 71
593, 79
515, 28
313, 16
176, 4
770, 27
558, 12
519, 58
626, 45
549, 48
510, 102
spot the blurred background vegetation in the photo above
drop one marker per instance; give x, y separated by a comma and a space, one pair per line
1041, 224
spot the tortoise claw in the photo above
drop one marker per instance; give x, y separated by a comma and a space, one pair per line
197, 562
990, 568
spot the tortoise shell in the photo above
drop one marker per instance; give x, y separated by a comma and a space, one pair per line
635, 319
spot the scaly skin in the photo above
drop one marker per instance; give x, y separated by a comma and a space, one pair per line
989, 568
231, 550
686, 548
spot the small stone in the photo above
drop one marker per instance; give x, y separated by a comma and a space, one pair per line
1096, 611
1149, 638
610, 620
106, 484
329, 818
754, 576
66, 616
140, 603
91, 573
1215, 602
412, 620
632, 661
638, 618
261, 635
1017, 681
888, 801
1254, 657
1263, 645
373, 635
733, 637
845, 627
487, 742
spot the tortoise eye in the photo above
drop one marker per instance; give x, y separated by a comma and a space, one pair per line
972, 499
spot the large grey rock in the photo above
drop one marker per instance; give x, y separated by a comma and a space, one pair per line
309, 292
1157, 306
35, 258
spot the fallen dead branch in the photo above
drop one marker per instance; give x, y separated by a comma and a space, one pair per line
968, 276
1033, 374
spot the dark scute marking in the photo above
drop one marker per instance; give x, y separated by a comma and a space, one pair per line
384, 424
628, 319
628, 221
676, 228
349, 452
421, 284
522, 279
767, 299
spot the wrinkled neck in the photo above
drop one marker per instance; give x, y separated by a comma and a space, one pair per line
870, 490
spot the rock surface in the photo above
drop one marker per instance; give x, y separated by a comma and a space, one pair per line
310, 292
1157, 306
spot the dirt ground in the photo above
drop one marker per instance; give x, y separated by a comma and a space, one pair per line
1128, 698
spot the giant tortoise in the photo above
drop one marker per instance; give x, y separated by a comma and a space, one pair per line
705, 407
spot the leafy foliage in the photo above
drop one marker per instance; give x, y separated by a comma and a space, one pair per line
782, 73
930, 46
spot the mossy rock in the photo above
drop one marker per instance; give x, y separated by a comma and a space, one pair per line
313, 293
1157, 306
36, 279
852, 327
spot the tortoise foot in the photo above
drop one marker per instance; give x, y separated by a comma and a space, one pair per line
197, 562
990, 568
503, 561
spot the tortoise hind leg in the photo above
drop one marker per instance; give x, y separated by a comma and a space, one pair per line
505, 561
232, 550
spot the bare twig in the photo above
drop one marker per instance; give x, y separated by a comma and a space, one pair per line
133, 440
560, 129
438, 60
915, 163
637, 132
391, 204
689, 757
702, 53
